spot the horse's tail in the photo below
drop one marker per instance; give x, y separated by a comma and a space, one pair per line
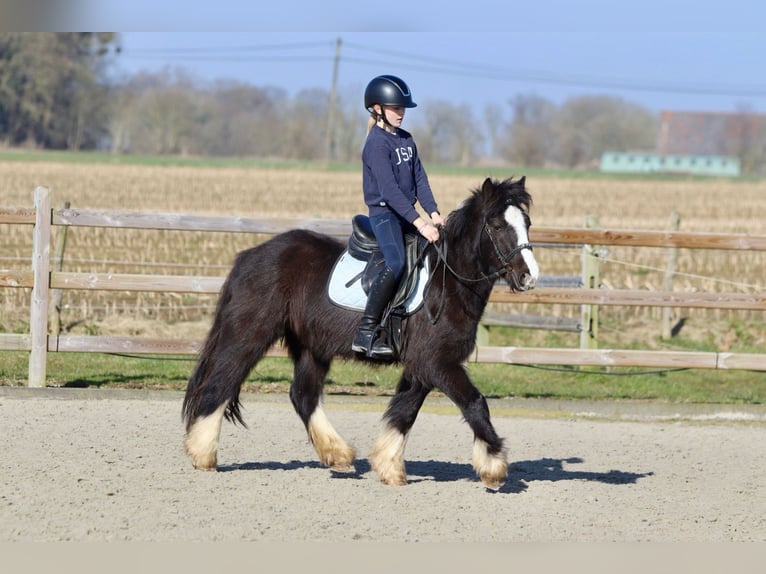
194, 398
249, 318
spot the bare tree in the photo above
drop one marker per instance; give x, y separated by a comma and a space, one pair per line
163, 112
53, 94
495, 128
305, 135
746, 139
586, 127
529, 140
238, 119
351, 128
446, 133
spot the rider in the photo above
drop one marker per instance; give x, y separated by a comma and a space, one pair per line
393, 180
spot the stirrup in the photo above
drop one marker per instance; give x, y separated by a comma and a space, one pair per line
379, 350
371, 345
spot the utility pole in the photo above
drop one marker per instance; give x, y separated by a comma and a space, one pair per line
331, 103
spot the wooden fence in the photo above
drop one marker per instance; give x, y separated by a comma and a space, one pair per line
42, 280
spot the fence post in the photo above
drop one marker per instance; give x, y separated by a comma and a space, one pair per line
591, 279
670, 270
54, 311
38, 319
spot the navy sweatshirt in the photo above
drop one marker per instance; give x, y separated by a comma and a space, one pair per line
393, 177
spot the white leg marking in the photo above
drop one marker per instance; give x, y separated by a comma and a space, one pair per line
201, 441
387, 457
333, 451
491, 468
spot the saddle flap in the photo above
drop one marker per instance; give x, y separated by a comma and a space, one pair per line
361, 263
344, 286
414, 246
362, 243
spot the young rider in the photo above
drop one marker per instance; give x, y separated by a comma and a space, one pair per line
393, 180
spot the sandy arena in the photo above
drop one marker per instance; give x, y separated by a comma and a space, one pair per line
108, 465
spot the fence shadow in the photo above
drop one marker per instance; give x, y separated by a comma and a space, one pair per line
129, 381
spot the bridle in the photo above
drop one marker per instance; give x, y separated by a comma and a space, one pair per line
441, 252
504, 259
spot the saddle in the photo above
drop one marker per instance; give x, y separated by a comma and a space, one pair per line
363, 245
359, 265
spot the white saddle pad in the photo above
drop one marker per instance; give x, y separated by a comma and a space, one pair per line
353, 297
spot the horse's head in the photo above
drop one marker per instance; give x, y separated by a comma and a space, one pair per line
497, 215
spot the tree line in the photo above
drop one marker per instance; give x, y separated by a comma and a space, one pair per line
56, 93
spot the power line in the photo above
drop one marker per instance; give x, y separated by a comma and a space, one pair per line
472, 69
236, 58
430, 64
246, 48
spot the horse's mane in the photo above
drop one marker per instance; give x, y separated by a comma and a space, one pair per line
485, 203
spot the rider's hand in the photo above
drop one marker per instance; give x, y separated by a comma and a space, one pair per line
438, 219
429, 232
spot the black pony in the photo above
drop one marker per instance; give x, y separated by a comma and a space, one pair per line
277, 291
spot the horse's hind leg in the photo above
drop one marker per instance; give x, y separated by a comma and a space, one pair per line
201, 440
387, 456
306, 396
213, 389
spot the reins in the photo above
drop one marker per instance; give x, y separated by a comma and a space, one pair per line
441, 249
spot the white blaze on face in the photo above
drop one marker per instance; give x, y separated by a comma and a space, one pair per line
515, 218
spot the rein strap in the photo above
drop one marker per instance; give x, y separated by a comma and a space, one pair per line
441, 251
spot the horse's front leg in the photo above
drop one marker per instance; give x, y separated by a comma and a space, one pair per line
387, 457
306, 395
490, 459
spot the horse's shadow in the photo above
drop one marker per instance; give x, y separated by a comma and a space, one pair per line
520, 473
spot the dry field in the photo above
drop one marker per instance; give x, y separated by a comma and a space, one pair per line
713, 206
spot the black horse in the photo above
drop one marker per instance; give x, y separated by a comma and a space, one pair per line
277, 291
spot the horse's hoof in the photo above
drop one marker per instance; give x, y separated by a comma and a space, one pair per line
346, 469
390, 471
206, 459
493, 482
394, 480
339, 460
387, 457
491, 468
343, 463
206, 463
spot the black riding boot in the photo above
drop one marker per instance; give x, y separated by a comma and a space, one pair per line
367, 340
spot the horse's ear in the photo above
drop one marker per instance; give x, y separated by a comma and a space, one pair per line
487, 186
523, 180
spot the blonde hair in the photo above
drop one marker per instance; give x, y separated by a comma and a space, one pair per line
371, 122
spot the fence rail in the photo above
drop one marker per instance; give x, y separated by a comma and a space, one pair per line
42, 280
500, 294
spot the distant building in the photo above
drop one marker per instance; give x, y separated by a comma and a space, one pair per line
647, 162
704, 143
709, 133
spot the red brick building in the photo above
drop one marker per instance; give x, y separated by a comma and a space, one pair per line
738, 134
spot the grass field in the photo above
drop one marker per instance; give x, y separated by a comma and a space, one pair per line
243, 188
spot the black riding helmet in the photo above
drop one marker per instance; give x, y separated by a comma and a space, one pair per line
387, 90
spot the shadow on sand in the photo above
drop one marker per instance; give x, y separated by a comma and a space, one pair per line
520, 473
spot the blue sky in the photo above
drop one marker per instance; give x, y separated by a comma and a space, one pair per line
662, 54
